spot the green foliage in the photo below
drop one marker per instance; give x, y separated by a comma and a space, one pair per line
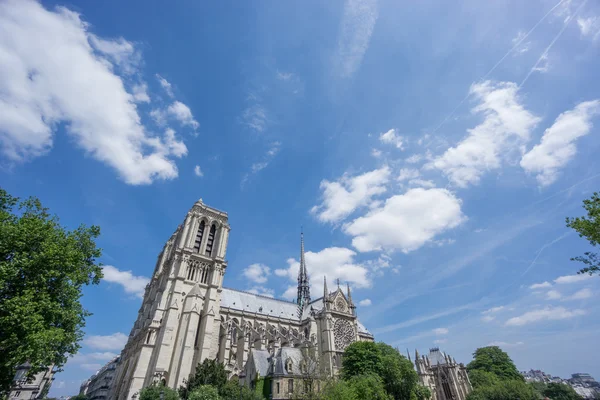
339, 390
78, 397
480, 378
421, 392
539, 387
369, 387
560, 391
361, 358
505, 390
493, 359
210, 372
43, 268
204, 392
152, 392
397, 372
233, 391
589, 228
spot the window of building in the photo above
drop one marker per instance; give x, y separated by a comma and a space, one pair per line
148, 337
210, 240
277, 387
290, 386
199, 234
18, 393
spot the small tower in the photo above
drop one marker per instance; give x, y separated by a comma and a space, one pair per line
303, 285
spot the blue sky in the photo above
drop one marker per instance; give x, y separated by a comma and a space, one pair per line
431, 153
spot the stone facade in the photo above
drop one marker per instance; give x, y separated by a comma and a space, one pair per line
35, 388
447, 379
188, 316
98, 386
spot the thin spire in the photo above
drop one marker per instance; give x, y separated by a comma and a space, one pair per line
325, 291
303, 285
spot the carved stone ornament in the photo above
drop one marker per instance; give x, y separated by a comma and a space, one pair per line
343, 333
340, 305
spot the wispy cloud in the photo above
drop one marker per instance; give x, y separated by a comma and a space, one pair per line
198, 172
260, 165
358, 23
544, 314
115, 341
131, 283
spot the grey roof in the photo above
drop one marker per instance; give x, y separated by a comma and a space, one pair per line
436, 357
285, 353
256, 303
362, 329
261, 361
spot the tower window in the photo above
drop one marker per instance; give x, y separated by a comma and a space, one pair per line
290, 386
199, 234
211, 240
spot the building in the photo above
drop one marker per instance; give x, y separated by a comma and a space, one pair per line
98, 386
447, 379
35, 387
188, 316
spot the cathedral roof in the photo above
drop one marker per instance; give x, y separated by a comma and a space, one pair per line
261, 361
255, 303
436, 357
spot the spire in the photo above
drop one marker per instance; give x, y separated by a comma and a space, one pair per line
408, 354
325, 291
303, 285
349, 294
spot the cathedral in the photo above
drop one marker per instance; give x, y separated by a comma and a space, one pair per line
187, 316
447, 379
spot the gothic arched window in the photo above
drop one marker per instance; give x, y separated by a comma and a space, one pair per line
211, 239
199, 234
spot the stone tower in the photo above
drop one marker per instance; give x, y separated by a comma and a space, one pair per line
178, 323
303, 284
447, 379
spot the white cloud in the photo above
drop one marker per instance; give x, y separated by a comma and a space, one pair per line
341, 198
116, 341
505, 344
264, 163
140, 93
523, 46
440, 331
581, 294
81, 358
440, 341
406, 222
365, 302
589, 27
542, 285
557, 146
183, 114
408, 173
131, 283
544, 314
421, 183
120, 51
333, 263
263, 291
415, 158
493, 310
285, 76
198, 172
553, 295
506, 128
488, 318
356, 29
53, 77
572, 278
543, 65
391, 137
258, 273
168, 88
255, 117
376, 153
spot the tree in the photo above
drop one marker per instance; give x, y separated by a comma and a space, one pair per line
397, 372
234, 391
481, 378
493, 359
43, 268
369, 387
153, 392
204, 392
78, 397
209, 372
560, 391
421, 392
339, 390
505, 390
361, 358
588, 227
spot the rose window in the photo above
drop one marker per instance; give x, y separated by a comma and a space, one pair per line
343, 333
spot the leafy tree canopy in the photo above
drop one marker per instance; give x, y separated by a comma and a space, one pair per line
560, 391
209, 372
234, 391
152, 392
204, 392
493, 359
505, 390
480, 378
589, 228
421, 393
361, 358
369, 387
339, 390
78, 397
397, 372
43, 268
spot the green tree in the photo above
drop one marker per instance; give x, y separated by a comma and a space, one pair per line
421, 393
505, 390
369, 387
481, 378
588, 227
78, 397
560, 391
209, 372
204, 392
43, 268
234, 391
153, 392
338, 390
493, 359
361, 358
397, 372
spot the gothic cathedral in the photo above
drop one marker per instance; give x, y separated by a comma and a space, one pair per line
188, 316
